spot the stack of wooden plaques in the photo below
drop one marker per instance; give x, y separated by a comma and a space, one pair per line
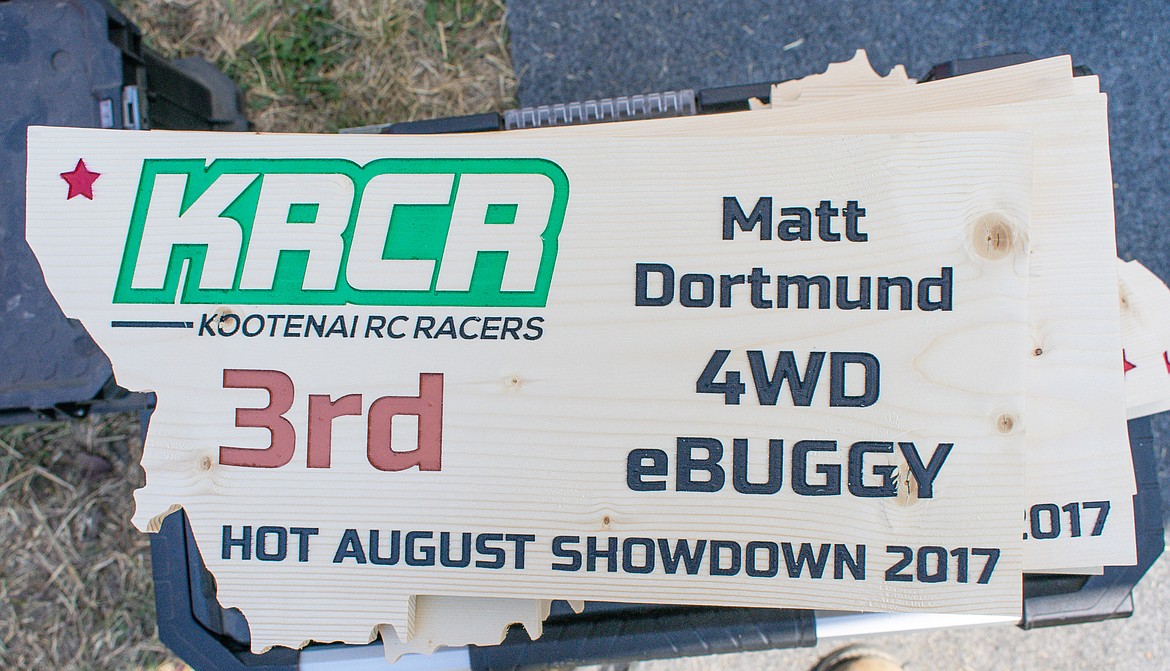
819, 354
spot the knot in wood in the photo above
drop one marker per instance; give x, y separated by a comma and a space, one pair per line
992, 237
1005, 423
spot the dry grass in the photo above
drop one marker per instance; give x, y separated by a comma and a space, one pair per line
316, 66
75, 585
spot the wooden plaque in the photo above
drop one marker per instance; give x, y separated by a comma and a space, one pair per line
774, 371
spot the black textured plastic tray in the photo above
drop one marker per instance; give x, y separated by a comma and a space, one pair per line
81, 64
58, 67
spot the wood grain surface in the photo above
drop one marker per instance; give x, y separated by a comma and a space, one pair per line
1078, 448
536, 434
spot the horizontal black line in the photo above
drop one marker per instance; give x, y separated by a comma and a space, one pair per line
151, 325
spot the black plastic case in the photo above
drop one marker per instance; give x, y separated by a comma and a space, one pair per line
78, 64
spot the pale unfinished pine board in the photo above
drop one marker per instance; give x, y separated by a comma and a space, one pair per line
1077, 443
535, 438
857, 77
839, 80
450, 621
1078, 446
1154, 298
1145, 322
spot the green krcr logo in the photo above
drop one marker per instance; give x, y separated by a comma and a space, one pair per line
396, 231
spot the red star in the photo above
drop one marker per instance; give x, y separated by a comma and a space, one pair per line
1128, 366
80, 180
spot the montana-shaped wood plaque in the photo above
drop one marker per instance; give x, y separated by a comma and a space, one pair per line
775, 371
